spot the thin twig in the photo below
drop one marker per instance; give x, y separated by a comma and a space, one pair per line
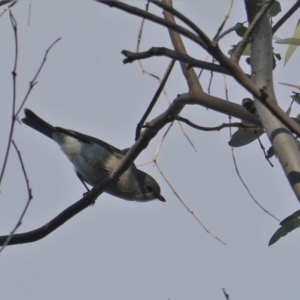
3, 2
225, 294
216, 128
235, 163
139, 40
147, 135
211, 78
144, 70
14, 75
263, 149
234, 28
29, 12
247, 189
154, 99
217, 38
27, 203
33, 82
237, 53
259, 93
174, 190
7, 7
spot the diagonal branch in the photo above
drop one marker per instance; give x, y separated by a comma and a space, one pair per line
162, 51
170, 9
213, 49
149, 16
149, 133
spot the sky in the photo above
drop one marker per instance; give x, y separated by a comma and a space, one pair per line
118, 249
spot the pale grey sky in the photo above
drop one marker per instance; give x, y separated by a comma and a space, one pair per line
125, 250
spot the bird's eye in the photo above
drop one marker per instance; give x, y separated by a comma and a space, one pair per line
149, 189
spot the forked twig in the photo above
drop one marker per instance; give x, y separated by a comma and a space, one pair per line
217, 38
144, 70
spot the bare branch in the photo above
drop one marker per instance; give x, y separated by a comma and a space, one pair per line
29, 12
7, 7
144, 14
162, 51
27, 203
217, 38
216, 128
189, 74
234, 28
247, 188
225, 294
184, 19
187, 207
154, 99
153, 127
263, 149
144, 70
174, 190
213, 49
33, 82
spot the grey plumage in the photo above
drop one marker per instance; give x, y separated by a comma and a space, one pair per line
94, 159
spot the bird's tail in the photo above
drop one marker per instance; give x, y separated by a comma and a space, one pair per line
35, 122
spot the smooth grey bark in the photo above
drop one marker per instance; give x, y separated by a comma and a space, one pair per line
262, 68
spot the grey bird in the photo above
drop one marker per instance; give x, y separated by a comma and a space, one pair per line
94, 159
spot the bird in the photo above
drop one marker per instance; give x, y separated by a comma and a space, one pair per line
94, 159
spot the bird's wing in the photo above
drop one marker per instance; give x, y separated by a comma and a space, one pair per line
90, 139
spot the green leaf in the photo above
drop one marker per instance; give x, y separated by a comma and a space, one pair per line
291, 49
275, 9
289, 41
287, 225
244, 136
241, 30
247, 50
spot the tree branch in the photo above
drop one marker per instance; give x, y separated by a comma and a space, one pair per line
154, 99
216, 128
162, 51
149, 133
144, 14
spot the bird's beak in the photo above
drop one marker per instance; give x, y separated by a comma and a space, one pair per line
161, 198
